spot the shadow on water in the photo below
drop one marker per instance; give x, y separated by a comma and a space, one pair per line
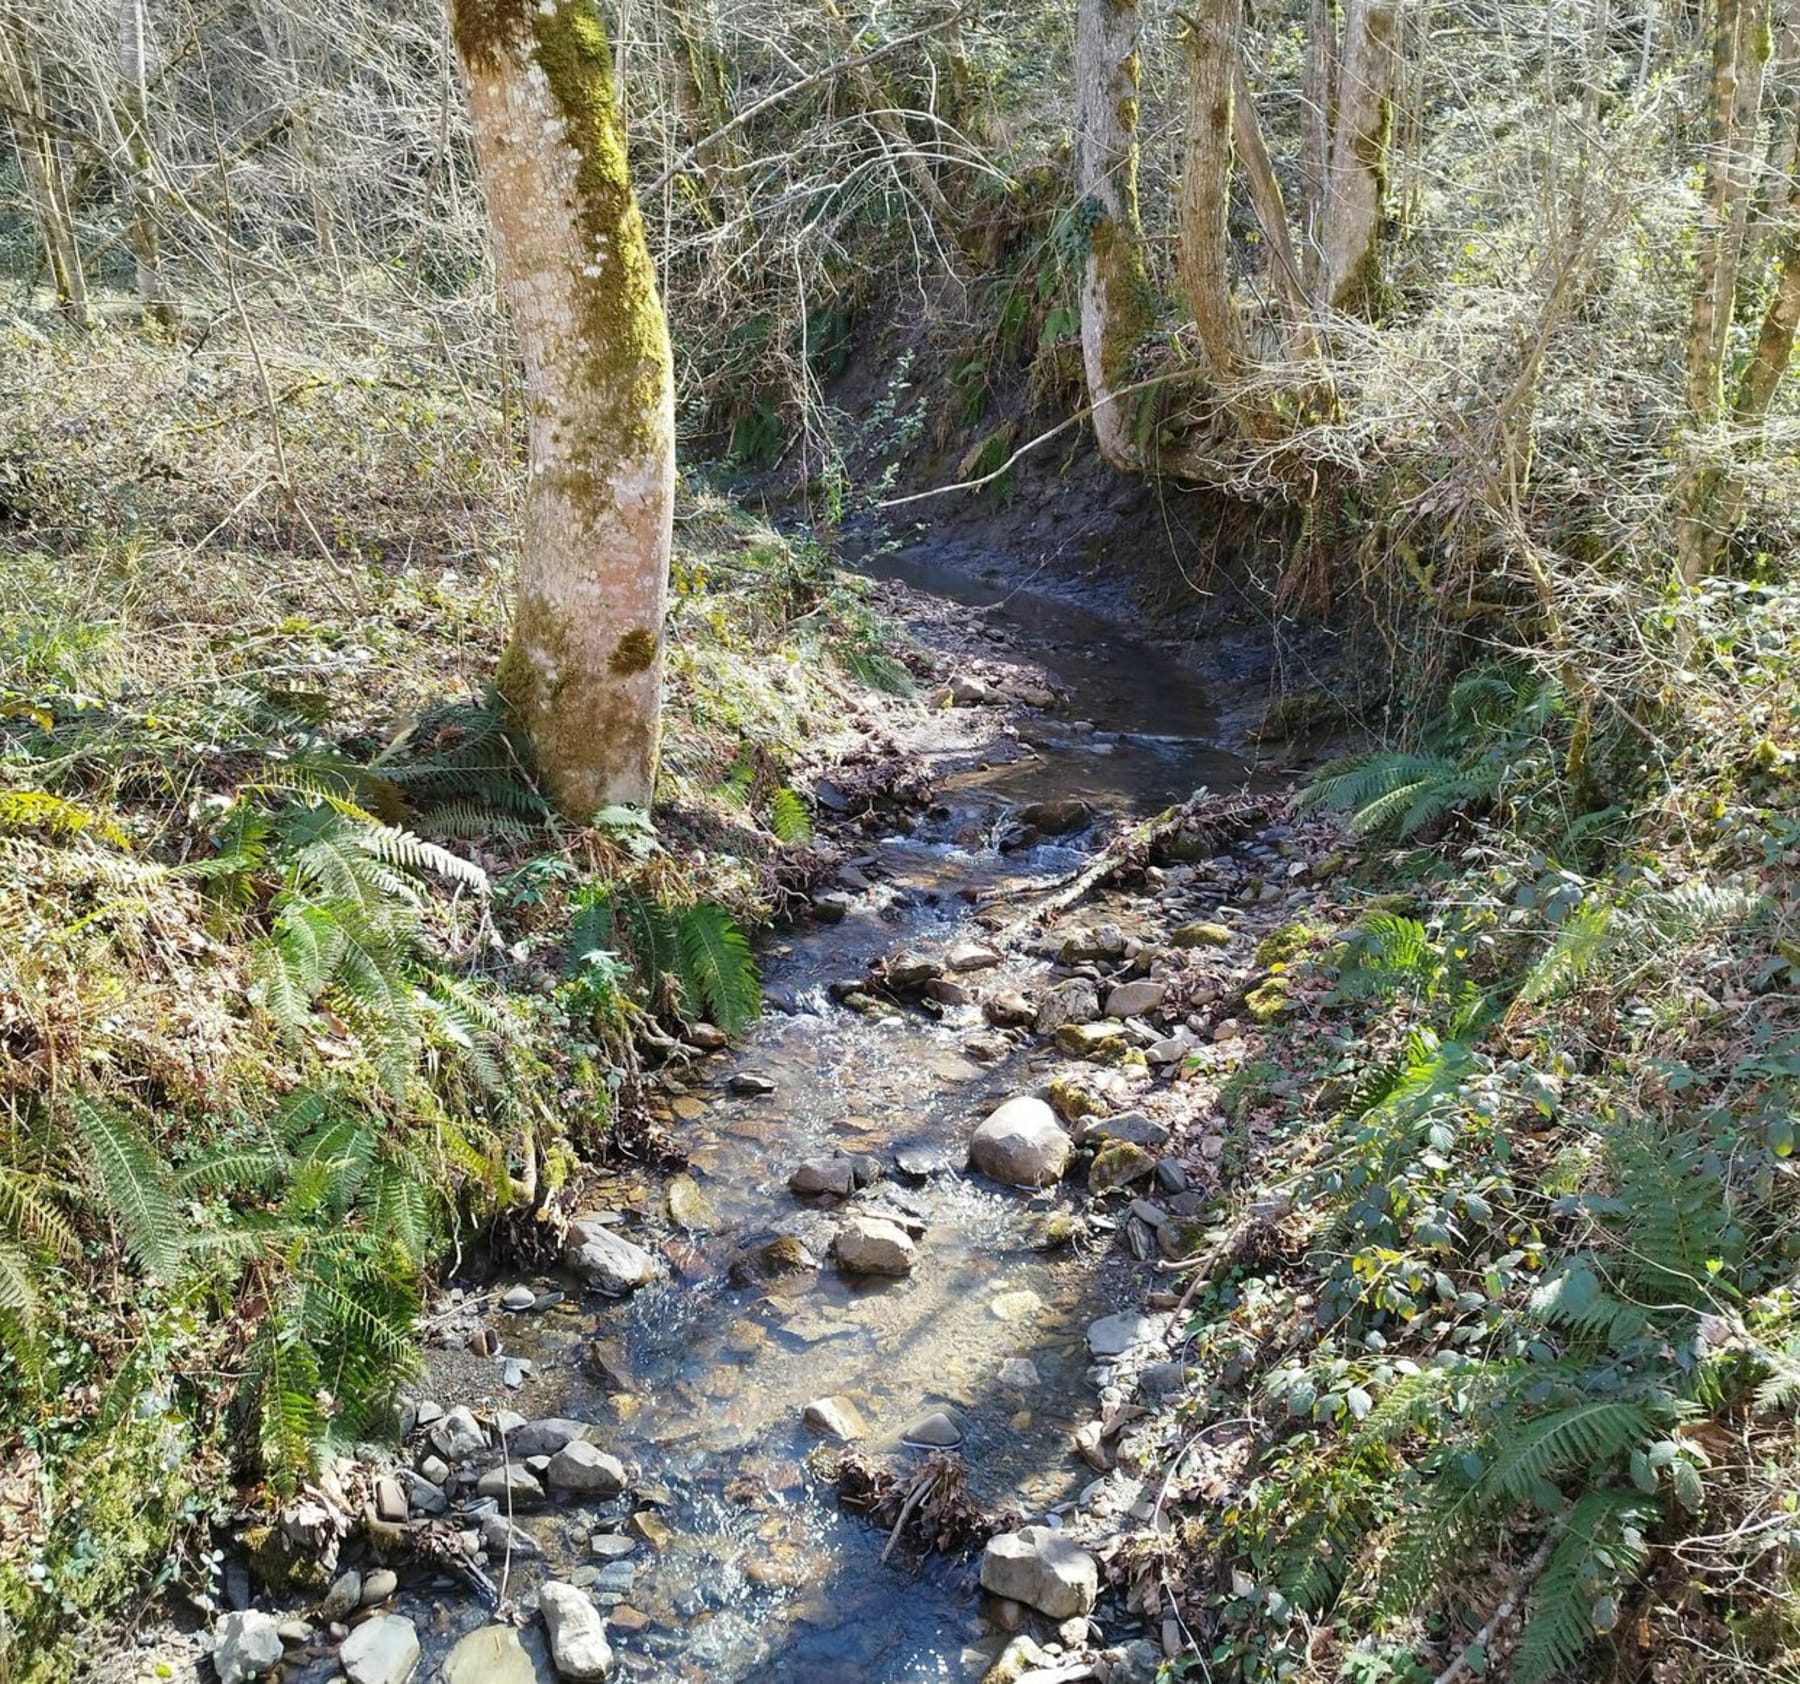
762, 1576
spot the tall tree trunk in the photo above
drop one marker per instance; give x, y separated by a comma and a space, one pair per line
142, 235
1117, 307
1206, 189
583, 671
1318, 116
45, 181
1357, 184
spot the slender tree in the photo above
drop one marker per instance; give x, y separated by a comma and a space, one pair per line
1357, 180
583, 671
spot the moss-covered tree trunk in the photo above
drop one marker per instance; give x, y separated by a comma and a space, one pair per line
1357, 180
584, 668
1117, 308
42, 166
1206, 189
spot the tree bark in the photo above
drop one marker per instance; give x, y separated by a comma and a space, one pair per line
1206, 189
142, 235
1357, 183
1318, 115
45, 181
583, 671
1117, 307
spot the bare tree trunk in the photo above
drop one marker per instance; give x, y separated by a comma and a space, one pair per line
142, 235
45, 180
1318, 115
1357, 184
583, 671
1285, 269
1118, 310
1206, 189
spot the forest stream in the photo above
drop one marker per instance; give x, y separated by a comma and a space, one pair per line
747, 1568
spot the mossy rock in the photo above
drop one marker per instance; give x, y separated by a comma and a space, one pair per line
1288, 943
1182, 1237
1117, 1164
1202, 934
281, 1565
1071, 1101
1268, 1000
1091, 1040
1057, 1230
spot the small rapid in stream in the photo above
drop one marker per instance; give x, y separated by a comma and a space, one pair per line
698, 1383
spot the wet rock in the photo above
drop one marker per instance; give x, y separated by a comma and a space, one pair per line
1132, 1126
834, 1175
378, 1586
612, 1546
689, 1208
750, 1083
1008, 1009
458, 1435
906, 970
986, 1049
518, 1299
384, 1650
1182, 1237
971, 956
938, 1429
652, 1529
1090, 1040
1019, 1374
492, 1655
421, 1495
831, 906
585, 1470
578, 1646
866, 1168
545, 1437
1117, 1164
778, 1259
1098, 941
1202, 934
390, 1499
708, 1037
499, 1537
946, 992
1056, 818
245, 1645
1133, 999
1042, 1568
344, 1597
965, 690
1113, 1336
605, 1260
1074, 1099
1018, 1658
1021, 1144
918, 1161
835, 1417
867, 1245
1074, 1001
511, 1485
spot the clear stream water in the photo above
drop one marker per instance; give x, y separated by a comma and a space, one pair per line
763, 1577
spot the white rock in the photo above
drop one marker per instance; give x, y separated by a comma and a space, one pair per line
971, 956
1113, 1336
606, 1261
384, 1650
1021, 1144
578, 1646
1042, 1568
458, 1435
245, 1646
585, 1469
1133, 999
866, 1245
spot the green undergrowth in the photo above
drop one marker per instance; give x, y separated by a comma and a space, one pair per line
300, 980
1530, 1324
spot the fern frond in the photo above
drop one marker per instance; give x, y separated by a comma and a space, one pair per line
1594, 1432
1581, 940
716, 967
789, 819
133, 1184
1600, 1547
27, 1212
18, 1291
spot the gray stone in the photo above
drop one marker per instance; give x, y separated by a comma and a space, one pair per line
1042, 1568
972, 956
499, 1537
1021, 1144
605, 1260
492, 1655
245, 1645
517, 1299
751, 1084
867, 1245
835, 1417
1099, 941
384, 1650
378, 1586
1008, 1009
1113, 1336
545, 1437
458, 1435
578, 1646
1171, 1050
612, 1546
1131, 1126
422, 1496
586, 1470
435, 1469
1074, 1001
1201, 934
616, 1578
937, 1430
1019, 1373
920, 1160
1133, 999
390, 1500
835, 1175
344, 1597
509, 1484
1056, 818
831, 906
295, 1634
1161, 1379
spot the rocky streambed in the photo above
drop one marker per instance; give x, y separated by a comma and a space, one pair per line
923, 1262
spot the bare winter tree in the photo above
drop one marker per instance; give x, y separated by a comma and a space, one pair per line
584, 668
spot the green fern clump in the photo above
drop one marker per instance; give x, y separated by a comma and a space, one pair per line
462, 770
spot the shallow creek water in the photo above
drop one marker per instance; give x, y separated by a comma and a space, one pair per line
762, 1576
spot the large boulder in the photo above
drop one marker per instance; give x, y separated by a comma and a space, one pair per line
492, 1655
458, 1435
1021, 1144
545, 1437
384, 1650
1042, 1568
586, 1470
245, 1646
606, 1260
1133, 999
578, 1647
1074, 1001
867, 1245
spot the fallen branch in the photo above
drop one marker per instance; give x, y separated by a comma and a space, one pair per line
1461, 1667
